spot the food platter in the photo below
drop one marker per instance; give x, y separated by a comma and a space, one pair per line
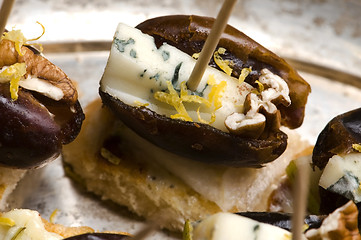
321, 38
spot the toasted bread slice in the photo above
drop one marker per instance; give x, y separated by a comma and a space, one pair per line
158, 185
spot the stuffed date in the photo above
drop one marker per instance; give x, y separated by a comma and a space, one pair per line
234, 115
39, 105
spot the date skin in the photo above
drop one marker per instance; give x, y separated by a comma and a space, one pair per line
338, 137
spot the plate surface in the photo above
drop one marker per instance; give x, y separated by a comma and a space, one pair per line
321, 38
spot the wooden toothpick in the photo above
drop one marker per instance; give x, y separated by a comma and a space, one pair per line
4, 13
210, 44
300, 196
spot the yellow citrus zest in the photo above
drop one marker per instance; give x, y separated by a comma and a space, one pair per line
244, 73
53, 215
357, 147
216, 92
13, 74
195, 55
19, 39
7, 221
177, 100
140, 104
260, 86
222, 64
174, 100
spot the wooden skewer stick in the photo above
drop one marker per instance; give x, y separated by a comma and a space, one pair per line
5, 10
300, 197
210, 44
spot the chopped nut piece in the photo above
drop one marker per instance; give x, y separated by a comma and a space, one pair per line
341, 224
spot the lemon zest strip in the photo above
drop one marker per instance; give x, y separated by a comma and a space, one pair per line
244, 73
174, 100
13, 74
260, 86
216, 92
7, 221
222, 64
357, 147
53, 215
19, 39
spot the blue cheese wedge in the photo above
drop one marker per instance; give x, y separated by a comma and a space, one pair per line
342, 175
24, 224
230, 226
139, 73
